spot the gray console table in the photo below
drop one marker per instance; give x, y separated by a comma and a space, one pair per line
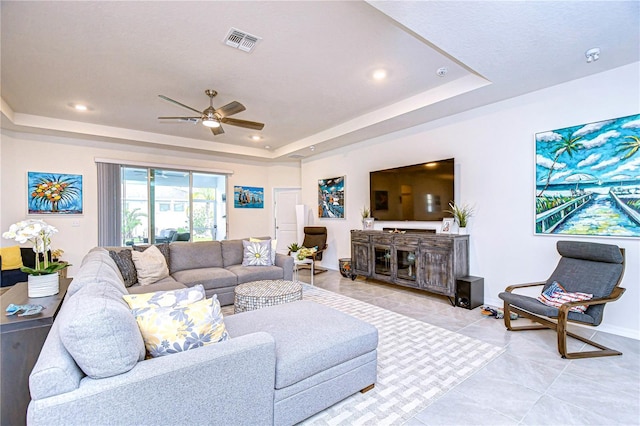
431, 262
22, 340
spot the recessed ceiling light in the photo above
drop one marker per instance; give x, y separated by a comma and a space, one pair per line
312, 147
256, 137
380, 74
80, 107
442, 71
267, 147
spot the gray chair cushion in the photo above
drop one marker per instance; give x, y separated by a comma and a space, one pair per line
99, 331
310, 338
590, 251
210, 278
533, 305
201, 254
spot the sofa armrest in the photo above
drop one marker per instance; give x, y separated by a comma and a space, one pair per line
231, 382
285, 262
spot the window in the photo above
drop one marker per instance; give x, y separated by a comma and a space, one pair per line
160, 205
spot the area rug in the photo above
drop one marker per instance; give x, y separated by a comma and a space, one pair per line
417, 363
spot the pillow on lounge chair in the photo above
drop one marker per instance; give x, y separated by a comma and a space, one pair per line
556, 295
11, 258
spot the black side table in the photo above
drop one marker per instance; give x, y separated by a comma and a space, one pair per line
22, 340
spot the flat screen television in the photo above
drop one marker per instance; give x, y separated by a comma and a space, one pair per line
418, 192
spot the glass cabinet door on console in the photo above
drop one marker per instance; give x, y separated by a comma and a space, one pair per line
406, 265
382, 264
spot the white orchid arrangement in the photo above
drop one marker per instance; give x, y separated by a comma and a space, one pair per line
39, 233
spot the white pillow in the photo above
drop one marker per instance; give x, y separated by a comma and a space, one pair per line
256, 254
274, 245
150, 265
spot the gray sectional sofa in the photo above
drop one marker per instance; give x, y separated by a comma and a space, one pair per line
281, 365
217, 265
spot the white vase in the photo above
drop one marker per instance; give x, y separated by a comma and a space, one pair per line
462, 230
43, 285
367, 223
294, 254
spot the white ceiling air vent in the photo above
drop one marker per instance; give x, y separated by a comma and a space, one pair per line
241, 40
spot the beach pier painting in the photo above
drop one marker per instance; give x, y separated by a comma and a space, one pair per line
588, 179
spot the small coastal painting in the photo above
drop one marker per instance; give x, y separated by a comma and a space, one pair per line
588, 179
248, 197
53, 193
331, 198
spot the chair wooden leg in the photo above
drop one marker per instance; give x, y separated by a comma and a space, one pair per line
507, 319
562, 343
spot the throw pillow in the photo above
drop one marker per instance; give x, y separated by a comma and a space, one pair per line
166, 299
11, 258
274, 245
125, 264
256, 254
163, 247
555, 295
150, 265
167, 331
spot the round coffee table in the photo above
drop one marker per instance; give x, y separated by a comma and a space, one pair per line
259, 294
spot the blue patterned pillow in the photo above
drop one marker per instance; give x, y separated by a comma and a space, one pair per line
256, 253
165, 299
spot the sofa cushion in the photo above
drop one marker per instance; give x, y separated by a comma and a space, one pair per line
250, 273
273, 247
169, 330
165, 284
151, 265
256, 253
201, 254
310, 337
232, 252
210, 278
165, 299
99, 331
125, 264
97, 266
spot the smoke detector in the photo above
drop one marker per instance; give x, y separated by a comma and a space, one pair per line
241, 40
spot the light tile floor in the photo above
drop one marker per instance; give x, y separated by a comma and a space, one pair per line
529, 384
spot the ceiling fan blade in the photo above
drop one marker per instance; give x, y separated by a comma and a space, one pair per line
243, 123
217, 130
178, 103
179, 118
230, 109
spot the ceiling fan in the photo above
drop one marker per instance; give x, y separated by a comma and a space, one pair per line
213, 118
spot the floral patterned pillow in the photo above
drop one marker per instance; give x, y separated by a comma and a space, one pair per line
165, 299
169, 330
256, 253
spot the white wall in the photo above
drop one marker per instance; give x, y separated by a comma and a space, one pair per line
494, 151
21, 152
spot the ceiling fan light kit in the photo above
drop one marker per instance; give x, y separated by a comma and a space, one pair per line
212, 117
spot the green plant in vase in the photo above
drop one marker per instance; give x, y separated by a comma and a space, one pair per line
461, 214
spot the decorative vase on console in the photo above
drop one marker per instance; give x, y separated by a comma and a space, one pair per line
462, 214
44, 279
367, 220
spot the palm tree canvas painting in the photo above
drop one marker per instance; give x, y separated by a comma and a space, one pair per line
51, 193
588, 179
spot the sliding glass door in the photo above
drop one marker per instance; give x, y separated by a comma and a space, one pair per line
160, 205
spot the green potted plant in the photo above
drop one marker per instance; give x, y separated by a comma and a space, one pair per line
367, 220
461, 214
293, 249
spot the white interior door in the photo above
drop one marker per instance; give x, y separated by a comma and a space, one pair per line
285, 217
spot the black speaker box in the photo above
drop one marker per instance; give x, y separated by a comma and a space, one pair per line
469, 292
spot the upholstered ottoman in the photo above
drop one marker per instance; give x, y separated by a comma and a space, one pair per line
322, 355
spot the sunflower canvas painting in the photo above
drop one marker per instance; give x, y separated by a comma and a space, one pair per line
52, 193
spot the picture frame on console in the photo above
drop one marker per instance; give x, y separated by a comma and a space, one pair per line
447, 225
